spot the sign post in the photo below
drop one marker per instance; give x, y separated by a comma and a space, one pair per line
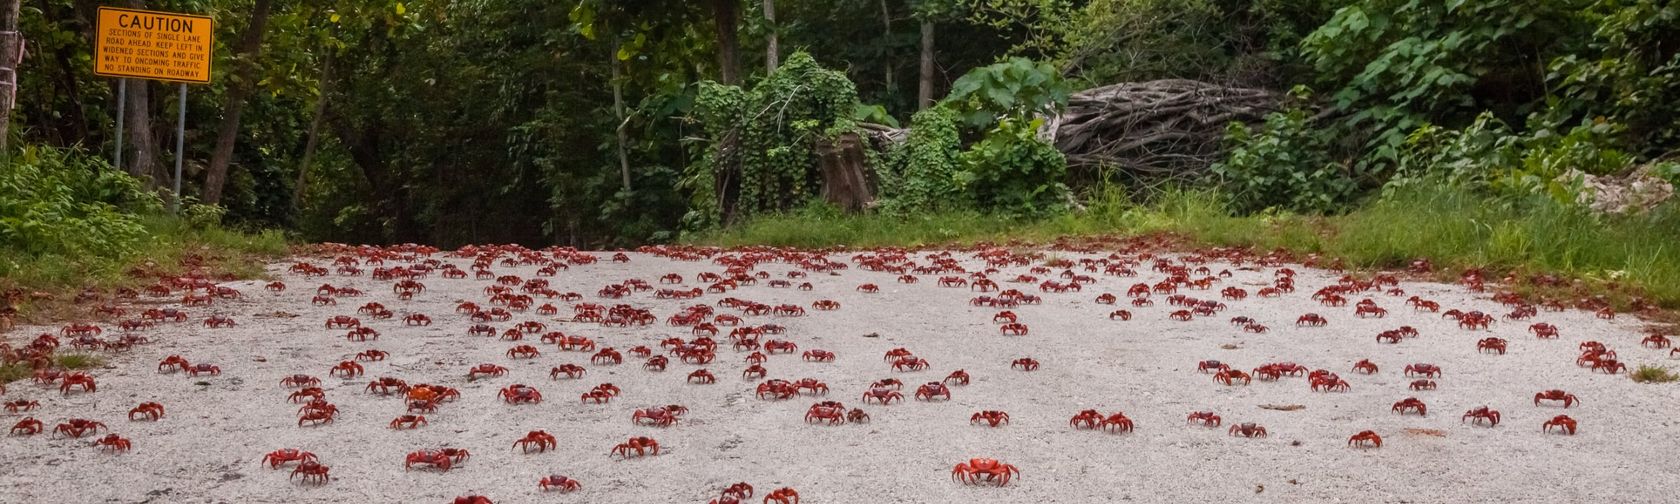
158, 46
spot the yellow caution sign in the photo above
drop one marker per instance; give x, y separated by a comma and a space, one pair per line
152, 45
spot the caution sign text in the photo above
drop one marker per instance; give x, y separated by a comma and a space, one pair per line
152, 45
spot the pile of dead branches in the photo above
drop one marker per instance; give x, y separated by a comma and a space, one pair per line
1157, 129
1164, 128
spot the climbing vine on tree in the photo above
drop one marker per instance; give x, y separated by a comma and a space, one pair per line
920, 172
765, 141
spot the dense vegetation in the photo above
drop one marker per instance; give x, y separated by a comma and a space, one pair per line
1517, 133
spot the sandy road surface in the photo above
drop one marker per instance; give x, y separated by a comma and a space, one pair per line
208, 447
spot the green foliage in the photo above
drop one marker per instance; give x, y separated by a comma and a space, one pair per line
873, 114
920, 172
717, 108
58, 201
1284, 165
1393, 64
1629, 74
67, 221
1130, 40
1017, 88
780, 125
1014, 172
1486, 156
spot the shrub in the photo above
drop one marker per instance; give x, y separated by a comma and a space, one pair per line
63, 201
1284, 165
1013, 172
921, 171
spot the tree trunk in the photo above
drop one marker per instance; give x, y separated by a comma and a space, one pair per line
845, 173
250, 47
11, 52
143, 144
924, 91
618, 112
727, 15
314, 132
886, 40
772, 56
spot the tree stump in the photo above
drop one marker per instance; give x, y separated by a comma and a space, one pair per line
846, 181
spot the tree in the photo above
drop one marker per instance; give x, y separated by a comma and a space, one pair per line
250, 47
726, 16
772, 49
928, 12
11, 48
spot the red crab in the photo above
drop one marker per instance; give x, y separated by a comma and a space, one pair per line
436, 459
1231, 376
1427, 370
1365, 437
642, 445
1410, 404
29, 426
1216, 366
930, 390
485, 369
701, 376
1556, 395
558, 482
990, 417
148, 410
77, 380
1205, 418
519, 393
1562, 422
408, 422
78, 427
884, 396
570, 370
202, 368
1248, 430
542, 440
1365, 366
1480, 414
1086, 419
984, 470
1024, 364
346, 368
300, 380
1311, 320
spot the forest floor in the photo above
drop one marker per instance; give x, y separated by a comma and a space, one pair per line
210, 444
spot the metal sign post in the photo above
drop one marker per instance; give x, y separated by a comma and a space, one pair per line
154, 45
180, 145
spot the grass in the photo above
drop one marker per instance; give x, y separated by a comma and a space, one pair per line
79, 361
1653, 374
170, 241
14, 372
1619, 256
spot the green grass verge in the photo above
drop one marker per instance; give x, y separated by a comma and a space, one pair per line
168, 241
1453, 229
